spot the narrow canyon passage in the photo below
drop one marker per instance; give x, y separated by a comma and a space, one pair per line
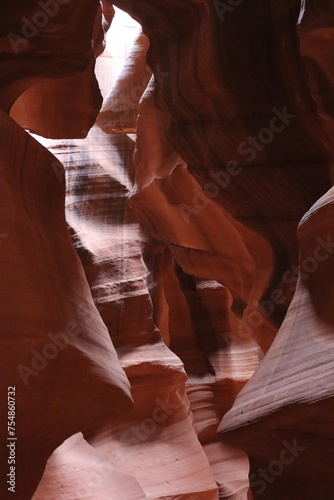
167, 250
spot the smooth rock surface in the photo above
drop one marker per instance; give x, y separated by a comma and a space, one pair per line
167, 248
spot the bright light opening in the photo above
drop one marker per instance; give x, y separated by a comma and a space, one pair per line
119, 40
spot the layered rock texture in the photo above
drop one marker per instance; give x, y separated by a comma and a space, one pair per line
167, 247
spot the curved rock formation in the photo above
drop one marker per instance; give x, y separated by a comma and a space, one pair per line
120, 108
282, 421
49, 322
112, 247
167, 288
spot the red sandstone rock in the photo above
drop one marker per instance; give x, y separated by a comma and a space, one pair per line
189, 251
75, 470
58, 354
120, 108
278, 409
112, 247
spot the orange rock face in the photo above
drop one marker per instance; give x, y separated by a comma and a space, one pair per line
167, 247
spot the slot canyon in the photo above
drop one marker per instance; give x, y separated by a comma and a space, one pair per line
167, 302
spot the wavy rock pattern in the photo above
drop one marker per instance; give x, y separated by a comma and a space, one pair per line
56, 326
113, 248
167, 285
